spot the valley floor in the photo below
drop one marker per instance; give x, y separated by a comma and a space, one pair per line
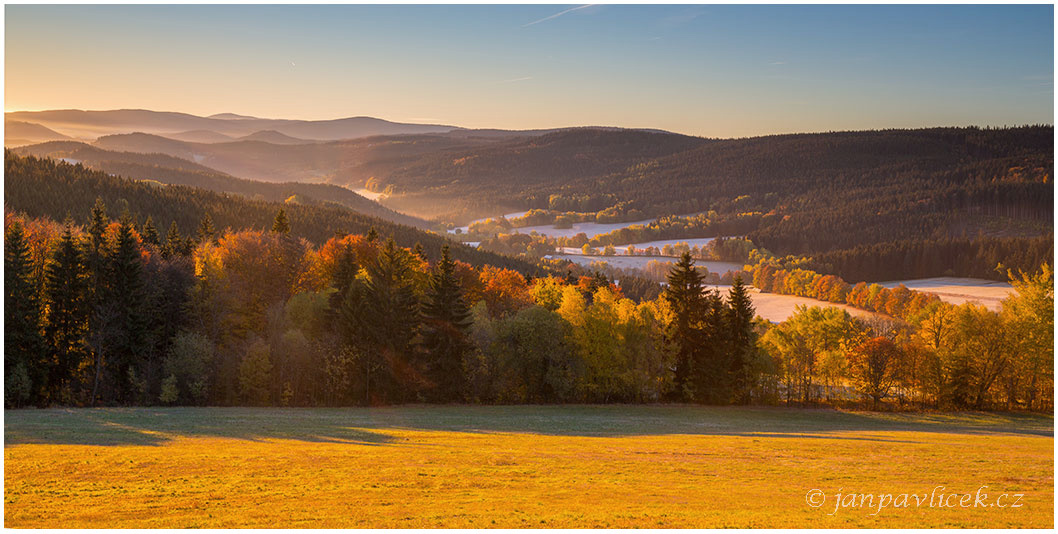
521, 466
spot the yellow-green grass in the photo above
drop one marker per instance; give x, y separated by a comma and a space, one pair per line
526, 466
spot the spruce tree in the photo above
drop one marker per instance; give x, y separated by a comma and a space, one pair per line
743, 339
97, 228
206, 231
684, 295
381, 317
66, 292
24, 348
150, 233
281, 225
344, 275
127, 329
446, 318
174, 244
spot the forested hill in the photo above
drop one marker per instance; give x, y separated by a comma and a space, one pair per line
46, 188
177, 171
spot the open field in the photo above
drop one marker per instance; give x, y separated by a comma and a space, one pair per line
777, 308
554, 466
639, 262
957, 291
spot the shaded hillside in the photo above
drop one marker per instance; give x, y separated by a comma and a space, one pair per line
176, 171
349, 162
44, 188
17, 133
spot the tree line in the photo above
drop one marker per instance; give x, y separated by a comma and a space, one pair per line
112, 313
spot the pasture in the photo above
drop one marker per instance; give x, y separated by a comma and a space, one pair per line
518, 466
778, 308
957, 291
640, 262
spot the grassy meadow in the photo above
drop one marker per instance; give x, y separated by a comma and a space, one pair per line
517, 466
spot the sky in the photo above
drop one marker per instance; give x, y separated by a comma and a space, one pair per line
714, 71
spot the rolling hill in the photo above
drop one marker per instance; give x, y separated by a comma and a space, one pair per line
176, 171
46, 188
99, 123
17, 133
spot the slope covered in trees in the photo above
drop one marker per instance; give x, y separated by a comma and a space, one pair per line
176, 171
45, 188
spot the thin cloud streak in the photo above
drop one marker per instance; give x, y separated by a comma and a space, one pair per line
515, 80
557, 15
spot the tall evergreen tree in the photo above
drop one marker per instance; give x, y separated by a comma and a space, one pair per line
381, 317
446, 321
710, 359
127, 325
174, 244
344, 275
150, 232
743, 339
684, 295
281, 225
206, 231
66, 292
24, 348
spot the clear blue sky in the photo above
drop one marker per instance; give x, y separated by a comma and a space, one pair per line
719, 71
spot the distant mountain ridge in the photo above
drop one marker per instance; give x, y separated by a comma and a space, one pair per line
90, 124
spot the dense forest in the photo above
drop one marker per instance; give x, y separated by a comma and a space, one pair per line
872, 205
112, 313
171, 170
46, 188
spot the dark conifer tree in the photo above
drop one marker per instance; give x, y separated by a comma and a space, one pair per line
174, 244
381, 317
66, 292
206, 231
743, 339
684, 295
372, 235
126, 328
24, 348
343, 278
281, 225
150, 232
446, 323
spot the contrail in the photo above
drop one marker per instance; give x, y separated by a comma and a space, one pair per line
556, 15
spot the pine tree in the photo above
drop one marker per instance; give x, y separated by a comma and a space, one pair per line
206, 231
66, 292
174, 244
372, 235
743, 339
446, 321
97, 227
684, 295
380, 316
344, 276
127, 328
281, 225
96, 262
150, 233
710, 360
24, 348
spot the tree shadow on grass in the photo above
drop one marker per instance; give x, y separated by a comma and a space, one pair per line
373, 426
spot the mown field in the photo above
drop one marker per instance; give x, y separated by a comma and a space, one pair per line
527, 466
